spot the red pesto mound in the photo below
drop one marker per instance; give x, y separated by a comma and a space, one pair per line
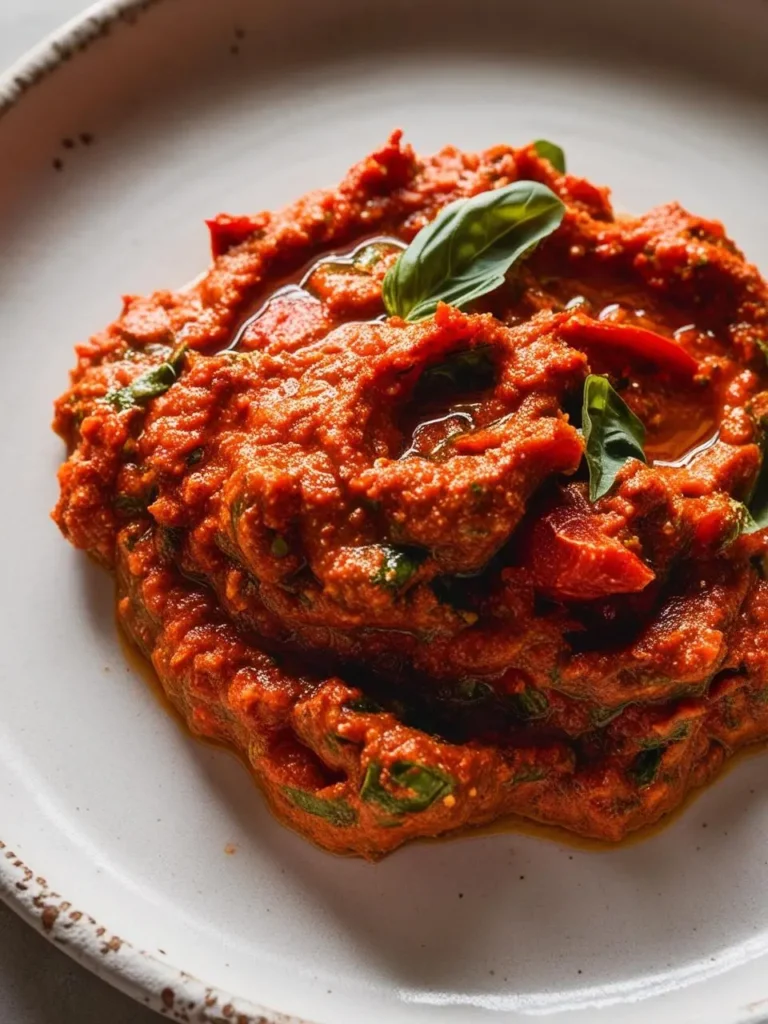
361, 551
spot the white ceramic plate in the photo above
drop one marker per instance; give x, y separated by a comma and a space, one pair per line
178, 109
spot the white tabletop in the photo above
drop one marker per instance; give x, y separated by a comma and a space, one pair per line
38, 983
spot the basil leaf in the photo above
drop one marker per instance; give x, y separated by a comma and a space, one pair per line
168, 540
130, 505
363, 706
678, 734
422, 784
150, 384
530, 774
612, 434
338, 812
236, 510
753, 514
466, 692
469, 247
279, 546
551, 152
529, 704
397, 567
752, 525
600, 716
756, 517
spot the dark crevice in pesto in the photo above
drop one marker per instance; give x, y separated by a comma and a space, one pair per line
468, 371
645, 766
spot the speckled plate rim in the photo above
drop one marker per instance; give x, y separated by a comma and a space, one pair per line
158, 985
149, 980
59, 46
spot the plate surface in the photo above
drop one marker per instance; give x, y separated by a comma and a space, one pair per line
178, 109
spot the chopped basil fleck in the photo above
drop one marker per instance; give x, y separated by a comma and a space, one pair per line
279, 546
397, 567
552, 152
150, 384
420, 785
337, 811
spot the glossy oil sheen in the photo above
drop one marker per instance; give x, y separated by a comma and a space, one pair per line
297, 287
100, 792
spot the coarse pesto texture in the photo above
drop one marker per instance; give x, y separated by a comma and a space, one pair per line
422, 573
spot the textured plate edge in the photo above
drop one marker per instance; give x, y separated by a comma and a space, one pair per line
63, 43
149, 980
143, 976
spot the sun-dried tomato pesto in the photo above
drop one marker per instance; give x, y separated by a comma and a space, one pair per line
371, 555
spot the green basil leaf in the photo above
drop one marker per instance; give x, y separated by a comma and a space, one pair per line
150, 384
529, 704
757, 506
469, 247
753, 514
363, 706
236, 510
168, 540
466, 692
678, 734
279, 546
744, 523
748, 525
397, 567
421, 785
130, 505
612, 434
602, 715
645, 766
530, 774
553, 153
338, 812
763, 346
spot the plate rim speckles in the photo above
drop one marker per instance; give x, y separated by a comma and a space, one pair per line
75, 36
174, 993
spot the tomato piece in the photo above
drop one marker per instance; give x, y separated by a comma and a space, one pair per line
664, 352
571, 558
285, 323
227, 231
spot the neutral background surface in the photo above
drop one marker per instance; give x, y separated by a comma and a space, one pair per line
38, 983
